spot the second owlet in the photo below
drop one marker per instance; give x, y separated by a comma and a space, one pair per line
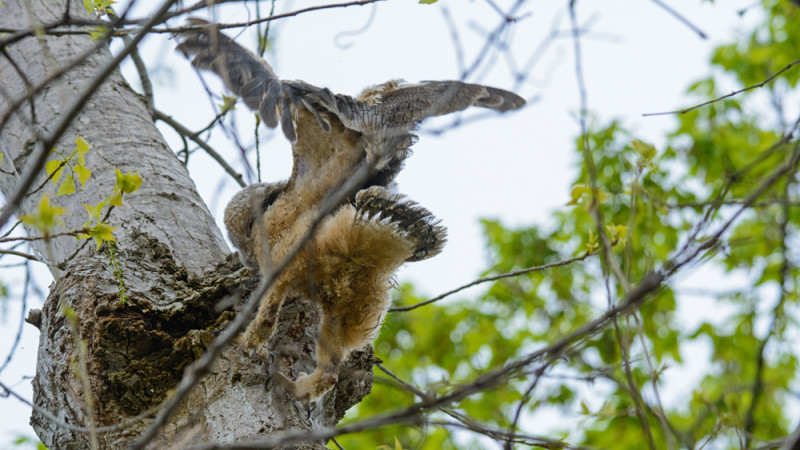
347, 266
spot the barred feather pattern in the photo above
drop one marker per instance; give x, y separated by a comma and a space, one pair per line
385, 114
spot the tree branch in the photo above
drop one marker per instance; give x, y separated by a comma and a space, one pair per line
493, 278
183, 131
681, 18
732, 94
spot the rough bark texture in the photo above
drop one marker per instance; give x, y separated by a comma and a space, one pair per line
174, 261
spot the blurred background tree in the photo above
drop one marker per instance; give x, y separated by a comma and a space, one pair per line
732, 161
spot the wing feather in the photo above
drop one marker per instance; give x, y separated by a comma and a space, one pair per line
243, 73
385, 114
408, 105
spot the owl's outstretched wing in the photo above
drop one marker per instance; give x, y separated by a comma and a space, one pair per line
243, 73
406, 105
389, 105
383, 115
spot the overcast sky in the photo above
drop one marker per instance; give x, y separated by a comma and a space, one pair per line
514, 167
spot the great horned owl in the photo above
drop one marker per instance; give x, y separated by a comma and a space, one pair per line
348, 266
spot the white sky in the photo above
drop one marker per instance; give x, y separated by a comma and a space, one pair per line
514, 167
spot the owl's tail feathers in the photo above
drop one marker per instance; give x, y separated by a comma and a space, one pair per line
243, 73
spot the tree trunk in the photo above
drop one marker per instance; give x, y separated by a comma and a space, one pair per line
174, 263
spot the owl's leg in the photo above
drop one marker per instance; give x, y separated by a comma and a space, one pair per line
416, 223
261, 329
331, 351
358, 250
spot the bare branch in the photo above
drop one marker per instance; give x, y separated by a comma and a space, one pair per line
183, 131
21, 255
23, 307
144, 78
491, 379
7, 391
493, 278
223, 26
681, 18
734, 93
777, 313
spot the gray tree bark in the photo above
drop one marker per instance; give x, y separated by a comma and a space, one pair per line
174, 261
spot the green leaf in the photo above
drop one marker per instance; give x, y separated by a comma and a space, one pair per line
647, 151
68, 312
115, 199
83, 174
129, 182
54, 168
228, 103
94, 211
46, 216
67, 186
581, 190
97, 6
617, 232
98, 32
82, 147
428, 2
101, 232
397, 445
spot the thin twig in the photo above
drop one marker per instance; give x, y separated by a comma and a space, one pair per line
524, 401
490, 40
27, 256
493, 278
408, 386
681, 18
488, 380
68, 426
144, 78
23, 307
48, 28
608, 256
658, 409
748, 88
39, 238
631, 386
777, 314
223, 26
183, 131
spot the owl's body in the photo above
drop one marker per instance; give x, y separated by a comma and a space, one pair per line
348, 265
